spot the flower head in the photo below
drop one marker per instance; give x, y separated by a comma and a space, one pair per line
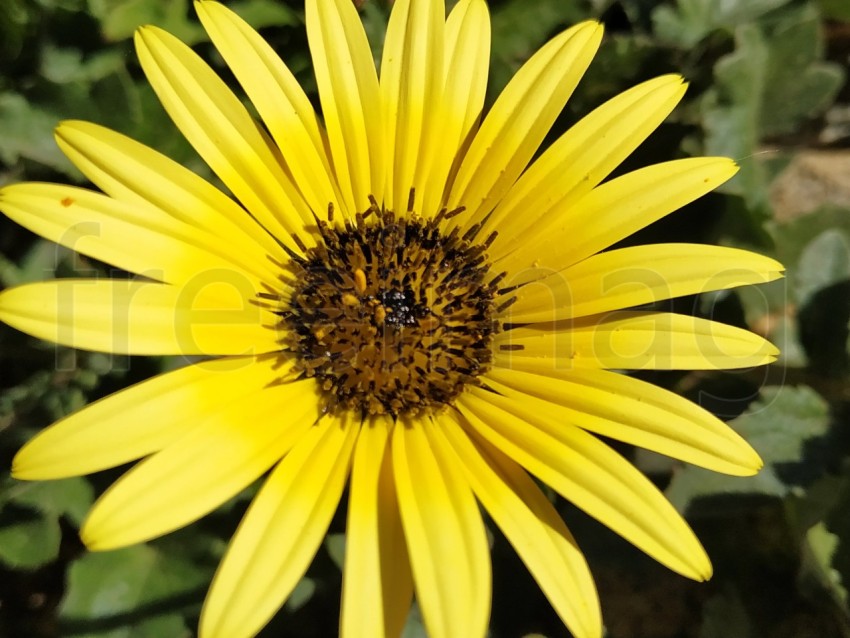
390, 297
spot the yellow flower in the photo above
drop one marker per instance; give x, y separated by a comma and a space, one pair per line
395, 300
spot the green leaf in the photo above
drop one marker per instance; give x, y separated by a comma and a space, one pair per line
15, 16
692, 20
301, 595
414, 627
799, 85
816, 249
520, 28
778, 426
793, 238
780, 423
770, 84
63, 65
29, 519
71, 497
374, 19
786, 335
135, 592
730, 113
821, 546
28, 540
66, 5
824, 262
835, 9
335, 546
27, 133
265, 13
120, 18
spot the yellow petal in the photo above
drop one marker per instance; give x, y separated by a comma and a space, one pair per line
223, 133
521, 118
351, 105
631, 340
142, 419
133, 173
627, 409
377, 586
535, 530
411, 83
280, 533
635, 276
135, 317
279, 99
582, 157
213, 462
614, 210
465, 70
125, 235
444, 531
590, 474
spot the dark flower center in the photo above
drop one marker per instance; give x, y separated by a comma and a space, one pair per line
390, 314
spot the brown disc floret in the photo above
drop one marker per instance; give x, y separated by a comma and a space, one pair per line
389, 313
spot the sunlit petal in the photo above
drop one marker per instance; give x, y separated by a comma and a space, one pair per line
411, 84
351, 104
534, 528
211, 463
281, 532
520, 119
465, 71
112, 431
443, 527
612, 211
639, 275
162, 248
590, 474
632, 340
377, 585
279, 99
222, 131
581, 158
631, 410
123, 316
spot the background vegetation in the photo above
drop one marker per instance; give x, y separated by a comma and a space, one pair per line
768, 87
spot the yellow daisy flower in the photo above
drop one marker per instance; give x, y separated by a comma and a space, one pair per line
390, 297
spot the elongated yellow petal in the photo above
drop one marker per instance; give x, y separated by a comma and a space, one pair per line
135, 317
280, 533
466, 67
279, 99
351, 104
142, 419
411, 84
630, 410
444, 531
582, 157
214, 461
631, 340
124, 234
222, 132
590, 474
638, 275
612, 211
377, 586
133, 173
521, 118
534, 528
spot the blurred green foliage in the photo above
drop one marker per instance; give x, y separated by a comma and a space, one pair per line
768, 86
